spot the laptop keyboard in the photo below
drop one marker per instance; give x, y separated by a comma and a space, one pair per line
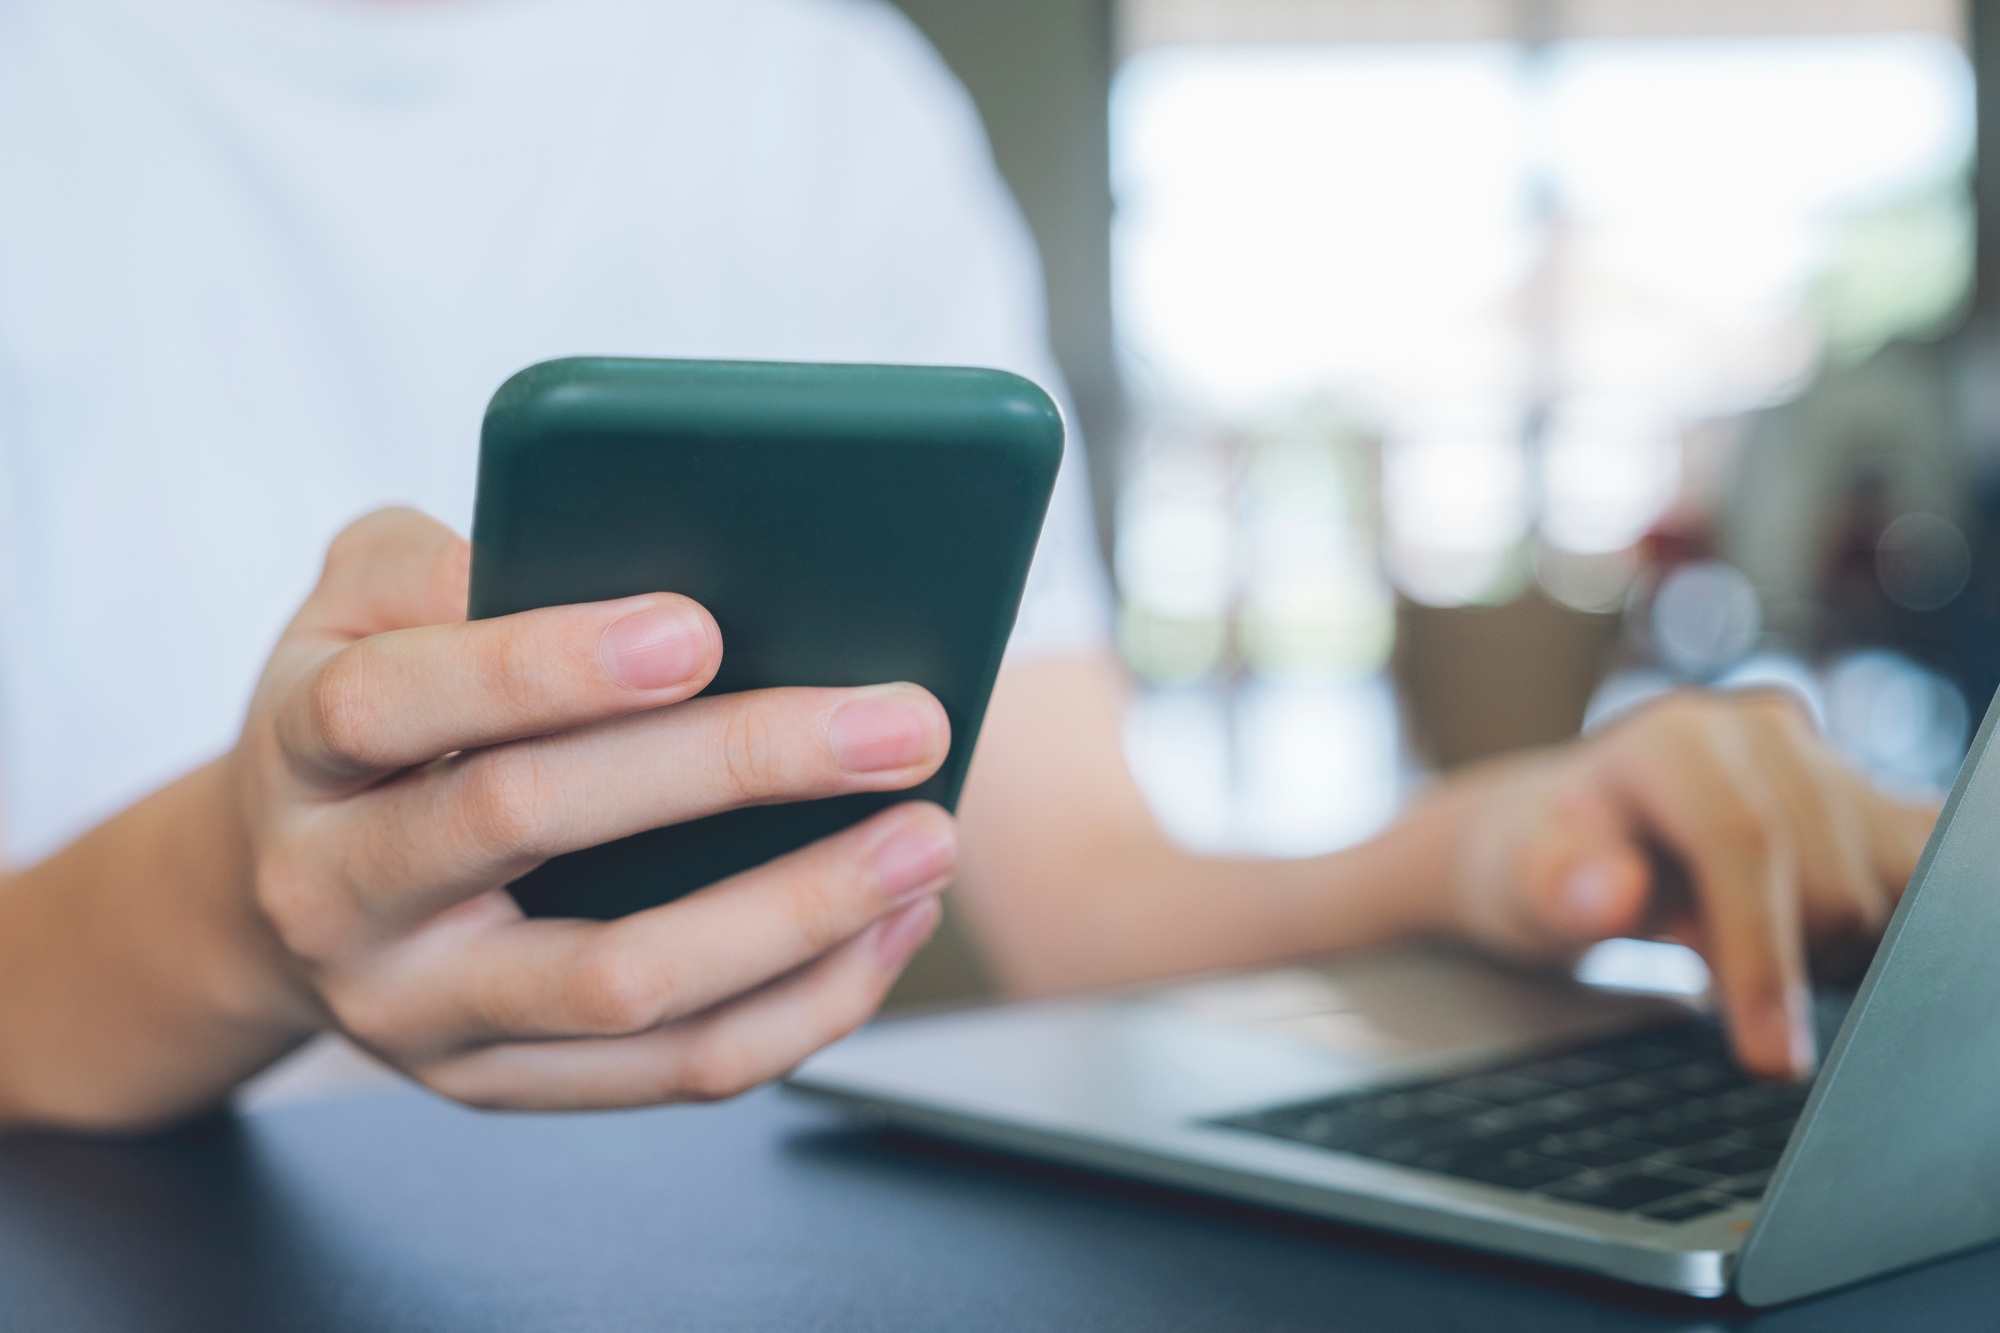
1661, 1124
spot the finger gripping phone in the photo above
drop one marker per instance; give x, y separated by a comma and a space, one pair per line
845, 525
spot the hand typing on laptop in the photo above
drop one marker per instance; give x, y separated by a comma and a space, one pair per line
1722, 820
1718, 820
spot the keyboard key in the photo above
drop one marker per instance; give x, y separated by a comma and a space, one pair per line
1620, 1195
1693, 1175
1760, 1105
1677, 1131
1440, 1104
1593, 1148
1507, 1119
1567, 1113
1625, 1127
1437, 1147
1571, 1071
1433, 1144
1700, 1038
1335, 1130
1400, 1106
1492, 1141
1704, 1076
1516, 1170
1687, 1209
1778, 1094
1499, 1089
1640, 1056
1732, 1160
1751, 1186
1771, 1134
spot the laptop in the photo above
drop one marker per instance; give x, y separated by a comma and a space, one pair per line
1435, 1094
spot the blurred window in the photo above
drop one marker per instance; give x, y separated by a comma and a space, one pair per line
1424, 317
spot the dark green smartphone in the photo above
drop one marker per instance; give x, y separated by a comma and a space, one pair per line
846, 525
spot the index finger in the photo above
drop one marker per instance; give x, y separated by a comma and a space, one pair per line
1697, 789
408, 696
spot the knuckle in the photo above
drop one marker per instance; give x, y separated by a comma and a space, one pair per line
282, 896
1688, 710
307, 919
824, 908
353, 542
849, 1018
1767, 701
1780, 709
467, 1088
852, 1002
343, 712
613, 992
1744, 827
1662, 721
713, 1071
751, 753
371, 1018
503, 802
1665, 710
514, 668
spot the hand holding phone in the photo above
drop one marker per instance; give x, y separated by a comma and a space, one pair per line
400, 766
846, 526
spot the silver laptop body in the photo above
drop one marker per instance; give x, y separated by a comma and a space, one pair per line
1252, 1085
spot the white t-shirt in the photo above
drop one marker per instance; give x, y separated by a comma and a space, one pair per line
263, 261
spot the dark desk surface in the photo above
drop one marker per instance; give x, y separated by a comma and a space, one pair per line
391, 1211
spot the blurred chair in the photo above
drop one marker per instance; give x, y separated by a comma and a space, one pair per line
1477, 681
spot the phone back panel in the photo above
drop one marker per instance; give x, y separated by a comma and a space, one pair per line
846, 525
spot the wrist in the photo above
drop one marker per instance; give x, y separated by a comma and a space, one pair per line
137, 986
256, 983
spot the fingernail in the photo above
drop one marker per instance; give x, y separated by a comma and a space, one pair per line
880, 732
1587, 897
900, 935
916, 860
656, 647
1782, 1027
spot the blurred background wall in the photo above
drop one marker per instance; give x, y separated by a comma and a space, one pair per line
1460, 372
1040, 71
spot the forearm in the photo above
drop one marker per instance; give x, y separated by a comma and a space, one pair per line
136, 986
1070, 884
1110, 915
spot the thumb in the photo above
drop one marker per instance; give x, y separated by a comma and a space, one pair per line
392, 569
1599, 896
1584, 878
